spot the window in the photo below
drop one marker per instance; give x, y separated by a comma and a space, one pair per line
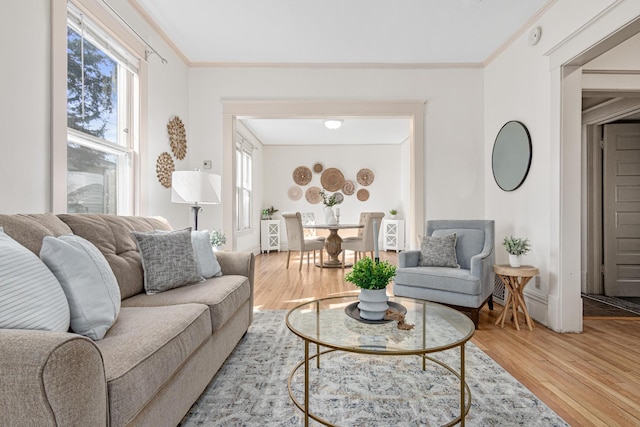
244, 177
102, 113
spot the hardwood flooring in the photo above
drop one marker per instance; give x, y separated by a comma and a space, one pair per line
589, 379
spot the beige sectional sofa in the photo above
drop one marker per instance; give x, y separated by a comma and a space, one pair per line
151, 365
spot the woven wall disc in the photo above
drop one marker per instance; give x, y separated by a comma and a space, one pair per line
302, 175
317, 168
363, 195
313, 195
349, 187
332, 179
164, 169
177, 137
294, 193
365, 176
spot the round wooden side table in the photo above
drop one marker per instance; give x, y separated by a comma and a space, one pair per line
515, 279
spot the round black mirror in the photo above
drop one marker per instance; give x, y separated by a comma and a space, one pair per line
511, 156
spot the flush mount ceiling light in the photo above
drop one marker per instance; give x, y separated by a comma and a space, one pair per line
333, 123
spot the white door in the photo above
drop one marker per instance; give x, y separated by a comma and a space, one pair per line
621, 210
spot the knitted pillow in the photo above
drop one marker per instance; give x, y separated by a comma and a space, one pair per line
438, 251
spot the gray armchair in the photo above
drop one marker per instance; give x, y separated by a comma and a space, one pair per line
466, 288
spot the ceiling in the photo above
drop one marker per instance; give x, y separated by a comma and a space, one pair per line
407, 33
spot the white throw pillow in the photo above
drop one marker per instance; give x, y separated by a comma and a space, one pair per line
88, 282
208, 264
30, 295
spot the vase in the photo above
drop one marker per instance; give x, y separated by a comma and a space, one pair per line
329, 217
514, 260
373, 304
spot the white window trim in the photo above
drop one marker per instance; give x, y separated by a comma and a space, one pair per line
247, 147
114, 28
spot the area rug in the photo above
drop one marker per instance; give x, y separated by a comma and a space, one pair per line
627, 305
358, 390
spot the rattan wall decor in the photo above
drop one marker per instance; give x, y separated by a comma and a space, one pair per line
313, 195
317, 168
177, 137
302, 175
332, 179
363, 195
365, 177
349, 187
164, 169
294, 193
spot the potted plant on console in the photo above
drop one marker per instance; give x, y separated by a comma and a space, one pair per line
372, 278
516, 247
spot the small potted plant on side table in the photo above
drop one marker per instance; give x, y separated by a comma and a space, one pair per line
393, 213
516, 247
372, 278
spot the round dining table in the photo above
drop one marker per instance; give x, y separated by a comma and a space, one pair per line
333, 243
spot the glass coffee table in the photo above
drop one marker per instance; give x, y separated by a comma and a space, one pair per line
331, 323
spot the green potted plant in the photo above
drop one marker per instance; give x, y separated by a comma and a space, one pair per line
393, 213
372, 278
516, 247
217, 239
268, 212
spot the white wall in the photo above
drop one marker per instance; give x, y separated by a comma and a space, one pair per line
453, 130
523, 84
25, 147
25, 107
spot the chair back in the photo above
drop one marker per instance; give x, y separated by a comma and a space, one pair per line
367, 231
472, 237
309, 218
295, 232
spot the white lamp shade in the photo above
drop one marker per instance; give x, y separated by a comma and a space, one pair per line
195, 187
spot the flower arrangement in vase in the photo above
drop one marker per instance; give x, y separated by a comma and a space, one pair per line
372, 278
516, 247
329, 202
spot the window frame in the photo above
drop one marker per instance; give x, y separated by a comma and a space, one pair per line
116, 30
244, 148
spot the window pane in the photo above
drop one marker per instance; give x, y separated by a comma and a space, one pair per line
92, 180
246, 208
92, 102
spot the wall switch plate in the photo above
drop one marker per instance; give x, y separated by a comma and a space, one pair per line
206, 164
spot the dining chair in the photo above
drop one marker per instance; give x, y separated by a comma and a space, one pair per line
297, 242
309, 218
364, 242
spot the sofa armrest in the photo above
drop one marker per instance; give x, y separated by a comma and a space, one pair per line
51, 379
482, 267
408, 259
239, 263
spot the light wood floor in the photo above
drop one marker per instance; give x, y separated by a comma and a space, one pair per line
591, 378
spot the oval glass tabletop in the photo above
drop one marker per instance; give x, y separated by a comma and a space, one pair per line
325, 322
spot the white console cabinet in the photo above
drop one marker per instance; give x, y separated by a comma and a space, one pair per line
270, 235
393, 234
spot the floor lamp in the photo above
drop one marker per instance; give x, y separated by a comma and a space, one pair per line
195, 187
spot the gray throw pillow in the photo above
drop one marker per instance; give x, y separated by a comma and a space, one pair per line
30, 295
88, 282
168, 260
208, 265
438, 251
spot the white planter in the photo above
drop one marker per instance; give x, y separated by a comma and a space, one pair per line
515, 260
329, 217
373, 304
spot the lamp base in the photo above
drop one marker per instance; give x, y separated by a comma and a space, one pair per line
196, 210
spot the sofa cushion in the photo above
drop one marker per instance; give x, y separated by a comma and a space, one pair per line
469, 242
30, 295
168, 260
224, 295
438, 251
29, 230
440, 278
144, 349
88, 282
111, 234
